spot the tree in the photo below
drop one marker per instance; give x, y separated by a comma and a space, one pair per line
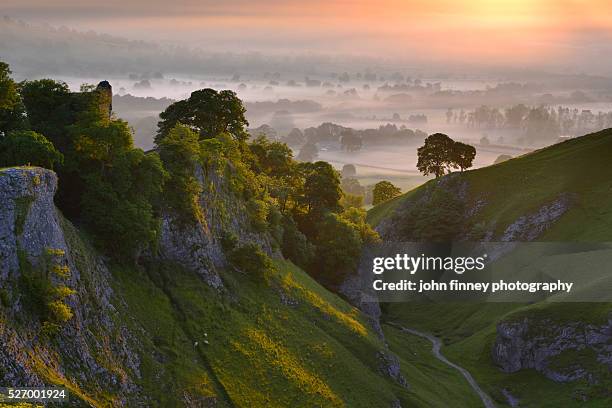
357, 216
440, 153
25, 147
351, 201
338, 247
349, 170
118, 202
463, 155
49, 107
274, 158
434, 155
308, 152
321, 187
295, 137
352, 186
208, 112
384, 191
180, 151
502, 158
438, 219
350, 141
11, 106
117, 186
515, 115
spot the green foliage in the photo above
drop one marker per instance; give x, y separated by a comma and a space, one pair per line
384, 191
43, 293
25, 147
338, 247
433, 156
351, 201
322, 191
119, 185
274, 158
258, 213
438, 219
462, 155
180, 152
11, 106
252, 260
50, 109
295, 245
357, 217
208, 112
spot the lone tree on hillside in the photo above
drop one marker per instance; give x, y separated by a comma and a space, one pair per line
384, 191
440, 153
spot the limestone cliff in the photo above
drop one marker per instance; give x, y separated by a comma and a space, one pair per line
91, 347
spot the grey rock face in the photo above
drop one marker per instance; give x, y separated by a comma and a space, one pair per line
29, 226
390, 366
198, 246
534, 344
529, 227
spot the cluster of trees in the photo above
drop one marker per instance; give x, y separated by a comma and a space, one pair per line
118, 191
440, 154
299, 203
105, 183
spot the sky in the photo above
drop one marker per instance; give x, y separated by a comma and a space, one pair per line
518, 33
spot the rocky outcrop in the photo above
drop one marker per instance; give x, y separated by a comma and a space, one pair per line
531, 226
90, 348
540, 344
198, 246
390, 367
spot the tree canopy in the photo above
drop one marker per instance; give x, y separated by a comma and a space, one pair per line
384, 191
208, 112
12, 115
25, 147
440, 154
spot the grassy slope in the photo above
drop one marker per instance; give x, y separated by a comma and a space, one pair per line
262, 352
580, 167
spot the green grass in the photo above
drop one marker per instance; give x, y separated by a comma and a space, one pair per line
260, 352
432, 383
579, 168
383, 210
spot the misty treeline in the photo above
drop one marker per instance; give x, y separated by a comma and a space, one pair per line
541, 123
120, 193
345, 138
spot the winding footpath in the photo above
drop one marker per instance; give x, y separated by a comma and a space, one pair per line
436, 345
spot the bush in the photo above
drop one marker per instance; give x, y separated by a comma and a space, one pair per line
24, 147
338, 248
295, 245
41, 296
252, 260
438, 220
